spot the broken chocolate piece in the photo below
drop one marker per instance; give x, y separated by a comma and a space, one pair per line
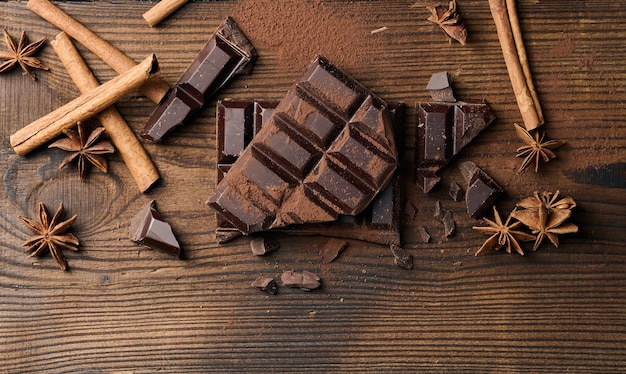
237, 123
332, 249
149, 228
410, 210
266, 284
328, 149
482, 192
449, 226
440, 87
263, 246
424, 235
439, 212
455, 192
225, 55
401, 257
305, 280
443, 129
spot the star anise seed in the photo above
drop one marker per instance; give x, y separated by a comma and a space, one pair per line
21, 54
88, 149
545, 223
535, 149
51, 235
502, 234
449, 21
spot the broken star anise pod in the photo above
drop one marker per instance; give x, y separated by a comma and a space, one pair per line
449, 21
51, 235
535, 149
88, 149
546, 223
502, 234
21, 54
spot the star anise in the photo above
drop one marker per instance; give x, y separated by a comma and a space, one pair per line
545, 223
535, 148
51, 235
88, 149
502, 234
21, 54
449, 21
548, 199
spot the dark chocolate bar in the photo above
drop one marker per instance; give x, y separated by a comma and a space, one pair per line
328, 149
226, 54
443, 129
239, 121
482, 191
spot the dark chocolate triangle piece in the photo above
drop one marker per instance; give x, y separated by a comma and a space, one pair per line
482, 191
149, 228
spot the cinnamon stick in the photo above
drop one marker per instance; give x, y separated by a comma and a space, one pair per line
155, 89
134, 155
161, 10
523, 95
85, 106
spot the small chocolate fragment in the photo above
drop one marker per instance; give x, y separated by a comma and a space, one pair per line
440, 88
456, 193
305, 280
439, 212
424, 235
149, 228
328, 149
266, 284
263, 246
449, 226
401, 257
410, 210
332, 249
225, 55
482, 192
443, 129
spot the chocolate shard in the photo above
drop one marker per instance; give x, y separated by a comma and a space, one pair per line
263, 246
304, 280
449, 225
328, 149
225, 55
331, 250
482, 192
455, 192
424, 235
266, 284
237, 123
401, 257
440, 87
149, 228
443, 129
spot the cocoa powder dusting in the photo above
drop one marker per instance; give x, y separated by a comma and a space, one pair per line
295, 31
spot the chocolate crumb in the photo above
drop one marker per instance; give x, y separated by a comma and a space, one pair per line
401, 257
449, 226
305, 280
263, 246
456, 193
332, 249
439, 212
424, 235
266, 284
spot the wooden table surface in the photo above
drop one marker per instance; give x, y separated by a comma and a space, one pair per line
122, 307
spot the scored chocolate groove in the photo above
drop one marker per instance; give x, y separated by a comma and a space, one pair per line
237, 123
327, 149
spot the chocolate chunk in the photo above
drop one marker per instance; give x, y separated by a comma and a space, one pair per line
225, 55
449, 226
455, 192
440, 87
266, 284
424, 235
149, 228
332, 249
443, 129
439, 212
482, 192
239, 120
328, 149
263, 246
401, 257
305, 280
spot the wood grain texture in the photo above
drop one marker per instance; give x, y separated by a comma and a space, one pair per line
125, 308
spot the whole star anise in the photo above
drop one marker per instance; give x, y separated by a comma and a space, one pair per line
21, 54
88, 149
546, 224
549, 200
449, 21
502, 234
51, 235
535, 149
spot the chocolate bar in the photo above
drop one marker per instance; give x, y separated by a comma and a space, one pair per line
225, 55
328, 149
443, 129
239, 121
482, 192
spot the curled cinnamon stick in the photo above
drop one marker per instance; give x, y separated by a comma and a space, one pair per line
134, 155
85, 106
154, 89
504, 14
161, 10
